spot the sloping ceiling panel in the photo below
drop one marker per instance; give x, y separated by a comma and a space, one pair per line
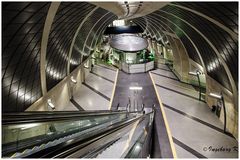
224, 12
89, 32
22, 29
65, 24
22, 26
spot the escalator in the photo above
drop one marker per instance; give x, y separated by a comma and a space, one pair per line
85, 134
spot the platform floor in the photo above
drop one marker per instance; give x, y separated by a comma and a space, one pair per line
195, 129
96, 92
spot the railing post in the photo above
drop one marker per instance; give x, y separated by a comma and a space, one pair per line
199, 85
118, 106
143, 107
225, 114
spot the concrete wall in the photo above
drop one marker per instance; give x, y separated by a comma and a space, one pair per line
168, 54
159, 55
150, 47
184, 60
154, 47
61, 93
193, 79
177, 61
231, 110
178, 55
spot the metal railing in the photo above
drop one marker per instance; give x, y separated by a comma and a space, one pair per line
75, 129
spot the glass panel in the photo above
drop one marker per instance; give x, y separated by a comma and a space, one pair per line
22, 136
138, 144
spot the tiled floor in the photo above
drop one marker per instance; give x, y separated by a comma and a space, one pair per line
103, 71
96, 92
165, 73
70, 107
174, 84
195, 129
100, 84
147, 96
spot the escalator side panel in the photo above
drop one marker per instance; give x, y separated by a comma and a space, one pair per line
161, 143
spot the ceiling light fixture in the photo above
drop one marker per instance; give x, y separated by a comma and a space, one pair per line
50, 104
73, 80
135, 88
197, 74
214, 95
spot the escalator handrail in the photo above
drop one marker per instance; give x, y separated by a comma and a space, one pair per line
34, 142
59, 151
53, 116
54, 112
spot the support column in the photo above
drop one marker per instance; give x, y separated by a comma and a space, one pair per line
46, 31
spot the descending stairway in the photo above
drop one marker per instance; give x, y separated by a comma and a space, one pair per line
114, 151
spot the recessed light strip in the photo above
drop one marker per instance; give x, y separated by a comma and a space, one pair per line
135, 88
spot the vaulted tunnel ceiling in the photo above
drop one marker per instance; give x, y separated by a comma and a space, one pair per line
208, 31
76, 27
216, 43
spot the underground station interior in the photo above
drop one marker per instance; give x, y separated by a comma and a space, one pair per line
119, 79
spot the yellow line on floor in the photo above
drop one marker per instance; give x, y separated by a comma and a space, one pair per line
180, 86
165, 120
113, 92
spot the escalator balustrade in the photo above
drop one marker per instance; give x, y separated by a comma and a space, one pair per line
70, 134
